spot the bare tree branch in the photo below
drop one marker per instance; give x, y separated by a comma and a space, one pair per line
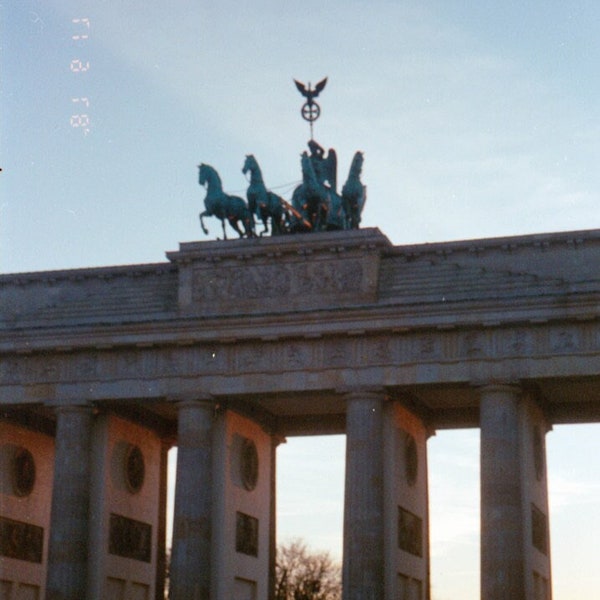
302, 574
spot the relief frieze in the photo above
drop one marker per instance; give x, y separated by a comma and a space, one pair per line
135, 360
171, 363
310, 354
12, 370
244, 281
48, 369
248, 287
518, 342
382, 350
252, 358
87, 366
590, 337
475, 344
426, 347
565, 340
296, 356
338, 352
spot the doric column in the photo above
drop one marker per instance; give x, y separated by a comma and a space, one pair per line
515, 538
502, 519
191, 556
363, 569
69, 521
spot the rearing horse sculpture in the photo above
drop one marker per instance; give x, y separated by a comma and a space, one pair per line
223, 206
309, 199
261, 202
354, 193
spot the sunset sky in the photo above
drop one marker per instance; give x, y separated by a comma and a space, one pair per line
476, 119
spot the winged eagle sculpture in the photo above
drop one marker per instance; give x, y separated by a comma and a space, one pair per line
308, 92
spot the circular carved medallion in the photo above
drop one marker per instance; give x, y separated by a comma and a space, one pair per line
135, 469
249, 464
23, 472
412, 460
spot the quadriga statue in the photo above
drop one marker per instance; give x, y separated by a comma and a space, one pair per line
315, 204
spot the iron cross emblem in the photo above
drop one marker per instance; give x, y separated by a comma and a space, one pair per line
310, 110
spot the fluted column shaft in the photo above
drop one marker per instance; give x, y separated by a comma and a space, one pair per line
363, 568
191, 551
69, 521
502, 520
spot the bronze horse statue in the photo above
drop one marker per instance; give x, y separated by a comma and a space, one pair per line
309, 200
223, 206
321, 207
262, 202
354, 193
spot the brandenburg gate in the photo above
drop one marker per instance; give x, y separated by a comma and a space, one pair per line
227, 348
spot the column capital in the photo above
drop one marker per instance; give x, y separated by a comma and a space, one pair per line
499, 387
63, 407
363, 392
81, 410
192, 400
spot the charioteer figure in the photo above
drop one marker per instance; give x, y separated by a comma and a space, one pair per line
325, 167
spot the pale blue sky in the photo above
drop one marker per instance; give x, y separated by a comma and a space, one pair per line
477, 119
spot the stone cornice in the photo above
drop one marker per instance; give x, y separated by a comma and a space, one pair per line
350, 321
81, 274
503, 243
279, 247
